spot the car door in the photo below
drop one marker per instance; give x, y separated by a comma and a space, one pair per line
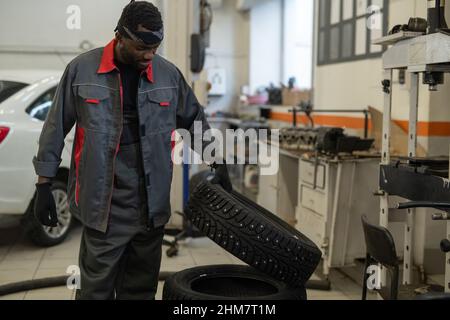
39, 111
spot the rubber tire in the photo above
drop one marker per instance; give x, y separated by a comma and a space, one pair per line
258, 237
196, 179
199, 178
236, 284
34, 228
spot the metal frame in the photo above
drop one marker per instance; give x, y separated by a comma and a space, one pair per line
408, 259
447, 260
415, 55
386, 155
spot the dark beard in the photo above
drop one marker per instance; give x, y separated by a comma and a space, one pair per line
128, 59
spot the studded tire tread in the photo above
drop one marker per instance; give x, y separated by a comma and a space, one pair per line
253, 234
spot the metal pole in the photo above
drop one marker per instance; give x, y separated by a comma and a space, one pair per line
408, 259
294, 120
186, 175
447, 262
366, 124
385, 148
365, 112
385, 151
447, 265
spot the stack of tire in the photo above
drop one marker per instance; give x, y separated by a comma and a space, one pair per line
280, 259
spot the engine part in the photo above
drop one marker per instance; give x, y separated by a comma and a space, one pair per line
325, 140
414, 25
417, 25
433, 79
445, 246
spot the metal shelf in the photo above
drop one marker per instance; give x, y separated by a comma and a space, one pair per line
415, 54
408, 183
396, 37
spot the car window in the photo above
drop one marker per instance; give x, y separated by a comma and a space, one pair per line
8, 88
40, 108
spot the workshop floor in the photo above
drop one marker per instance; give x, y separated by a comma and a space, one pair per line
20, 260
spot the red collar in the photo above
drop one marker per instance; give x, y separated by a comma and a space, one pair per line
107, 63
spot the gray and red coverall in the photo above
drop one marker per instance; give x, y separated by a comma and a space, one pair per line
121, 195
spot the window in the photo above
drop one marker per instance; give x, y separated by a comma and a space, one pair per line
290, 35
297, 42
9, 88
40, 108
347, 28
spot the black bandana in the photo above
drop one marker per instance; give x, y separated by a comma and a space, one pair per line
149, 38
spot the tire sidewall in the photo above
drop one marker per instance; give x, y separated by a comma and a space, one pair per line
199, 178
285, 242
180, 284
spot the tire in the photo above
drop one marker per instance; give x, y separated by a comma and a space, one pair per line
227, 282
253, 234
195, 180
199, 178
45, 236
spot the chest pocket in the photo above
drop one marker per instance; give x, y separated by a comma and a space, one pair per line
162, 108
95, 107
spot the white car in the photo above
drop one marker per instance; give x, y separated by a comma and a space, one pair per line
25, 99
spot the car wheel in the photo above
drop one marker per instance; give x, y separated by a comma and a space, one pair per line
253, 234
227, 282
48, 236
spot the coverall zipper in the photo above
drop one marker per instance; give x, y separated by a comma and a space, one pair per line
118, 145
142, 154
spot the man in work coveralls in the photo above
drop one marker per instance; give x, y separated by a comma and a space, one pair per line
125, 101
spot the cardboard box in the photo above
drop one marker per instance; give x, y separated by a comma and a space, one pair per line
294, 97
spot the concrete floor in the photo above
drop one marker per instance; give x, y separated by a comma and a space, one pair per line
21, 260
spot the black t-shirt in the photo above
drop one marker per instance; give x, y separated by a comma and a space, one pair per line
130, 83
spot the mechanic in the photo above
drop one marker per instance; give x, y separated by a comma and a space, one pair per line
125, 101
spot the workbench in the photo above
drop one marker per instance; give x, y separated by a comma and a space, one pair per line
324, 198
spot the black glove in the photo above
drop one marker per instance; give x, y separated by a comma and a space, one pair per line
44, 206
221, 177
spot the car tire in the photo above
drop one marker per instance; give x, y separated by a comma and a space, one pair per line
199, 178
253, 234
227, 282
45, 236
194, 181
